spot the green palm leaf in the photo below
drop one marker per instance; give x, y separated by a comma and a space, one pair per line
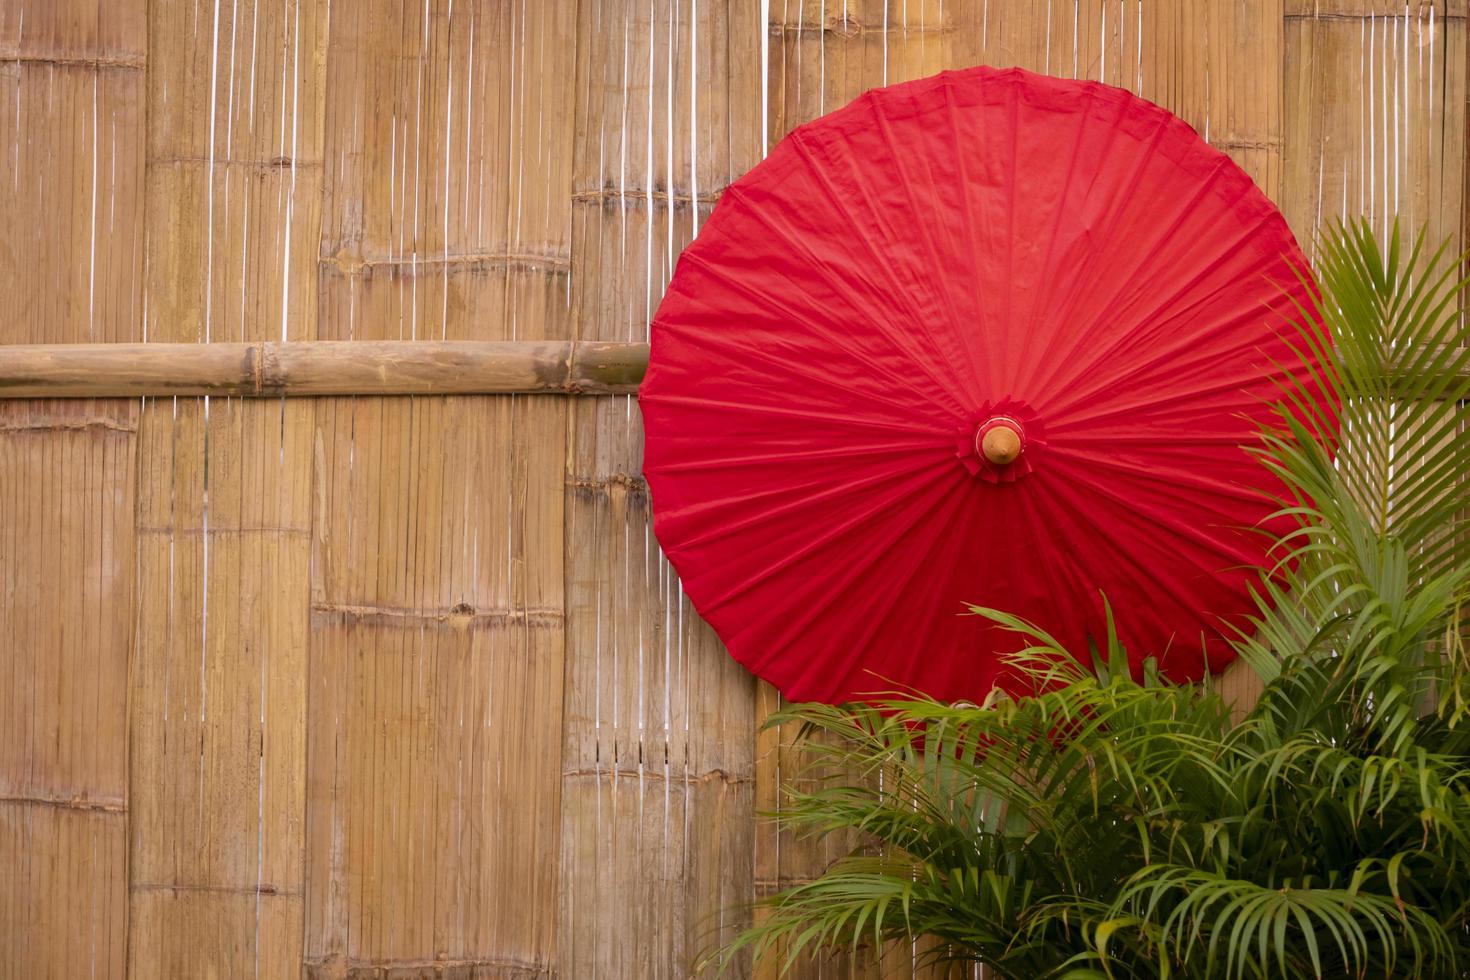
1113, 826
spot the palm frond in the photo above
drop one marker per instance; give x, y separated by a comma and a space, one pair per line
1095, 823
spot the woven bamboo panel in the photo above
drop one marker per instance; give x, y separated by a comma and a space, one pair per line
67, 488
72, 82
217, 727
437, 612
402, 687
657, 755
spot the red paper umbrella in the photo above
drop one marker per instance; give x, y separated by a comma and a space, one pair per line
989, 337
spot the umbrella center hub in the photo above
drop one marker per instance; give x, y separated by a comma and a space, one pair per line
1000, 440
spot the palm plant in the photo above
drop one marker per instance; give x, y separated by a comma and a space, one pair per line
1111, 825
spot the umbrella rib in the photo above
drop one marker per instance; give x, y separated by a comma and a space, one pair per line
939, 288
970, 223
836, 586
767, 458
1044, 275
879, 616
735, 193
1083, 278
1130, 504
696, 401
1197, 341
1191, 397
1002, 338
875, 365
1173, 438
1111, 311
1074, 458
883, 263
961, 540
792, 502
1127, 564
746, 356
1132, 339
1162, 353
1207, 357
1062, 576
832, 531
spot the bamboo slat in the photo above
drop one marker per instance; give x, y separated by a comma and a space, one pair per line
437, 631
218, 709
1375, 117
71, 169
657, 744
823, 55
313, 368
71, 208
66, 590
448, 213
218, 699
434, 686
235, 179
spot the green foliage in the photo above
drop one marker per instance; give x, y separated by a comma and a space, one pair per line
1118, 826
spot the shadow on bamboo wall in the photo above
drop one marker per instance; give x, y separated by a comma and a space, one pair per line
401, 686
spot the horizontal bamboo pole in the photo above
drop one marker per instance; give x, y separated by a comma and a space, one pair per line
310, 368
328, 367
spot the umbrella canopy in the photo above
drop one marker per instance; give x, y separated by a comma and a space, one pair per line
989, 337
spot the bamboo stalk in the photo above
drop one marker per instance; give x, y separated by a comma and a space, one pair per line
315, 368
311, 368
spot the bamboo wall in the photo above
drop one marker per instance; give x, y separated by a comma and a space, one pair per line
401, 686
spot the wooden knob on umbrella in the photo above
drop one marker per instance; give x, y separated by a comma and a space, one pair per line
1001, 444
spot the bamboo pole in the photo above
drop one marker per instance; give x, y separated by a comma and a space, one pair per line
330, 367
272, 369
